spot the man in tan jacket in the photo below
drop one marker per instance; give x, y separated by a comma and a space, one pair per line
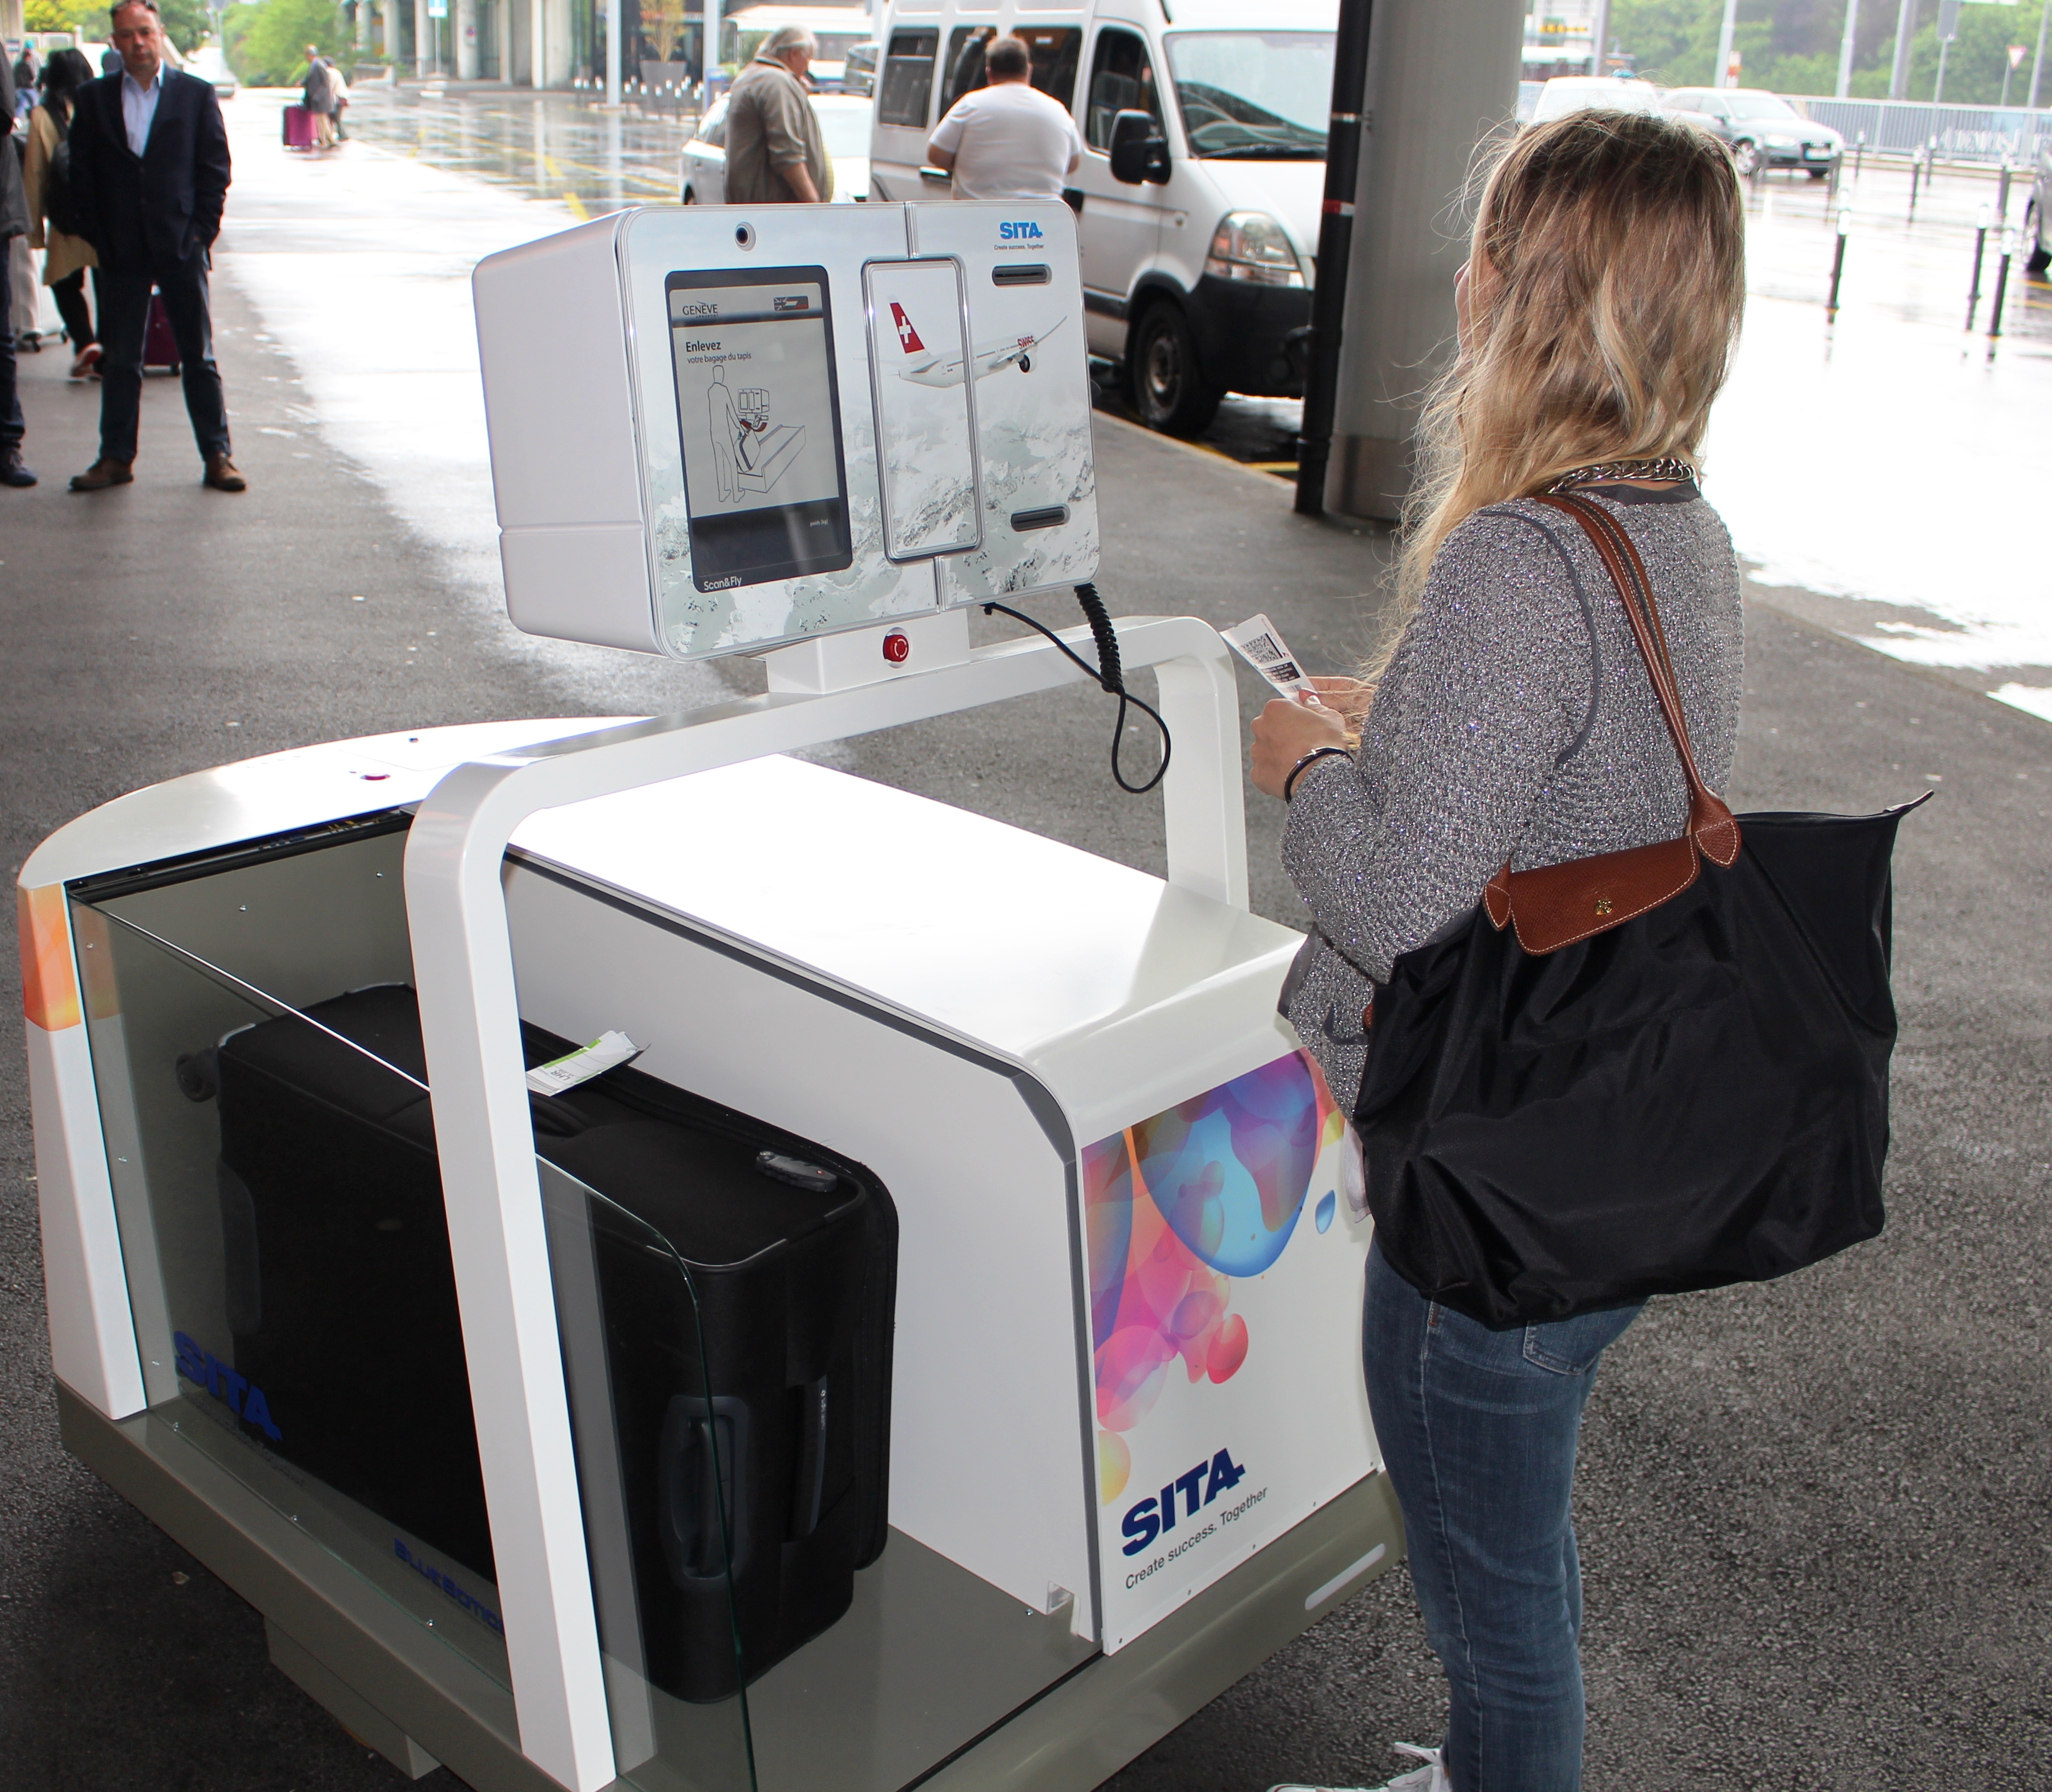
775, 150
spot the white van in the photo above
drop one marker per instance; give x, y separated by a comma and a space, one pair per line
1198, 246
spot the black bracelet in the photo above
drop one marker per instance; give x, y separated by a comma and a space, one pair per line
1290, 783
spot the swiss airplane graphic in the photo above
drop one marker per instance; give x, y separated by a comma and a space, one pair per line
927, 366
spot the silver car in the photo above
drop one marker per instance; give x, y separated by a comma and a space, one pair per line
1763, 129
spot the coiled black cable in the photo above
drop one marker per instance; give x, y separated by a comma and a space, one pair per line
1110, 675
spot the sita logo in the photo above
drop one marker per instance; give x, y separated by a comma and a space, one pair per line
1149, 1518
242, 1397
1025, 232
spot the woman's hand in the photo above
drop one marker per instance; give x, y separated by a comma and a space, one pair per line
1287, 730
1349, 696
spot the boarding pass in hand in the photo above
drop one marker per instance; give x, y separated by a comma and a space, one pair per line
1259, 643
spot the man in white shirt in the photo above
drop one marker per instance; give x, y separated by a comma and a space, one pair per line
1008, 140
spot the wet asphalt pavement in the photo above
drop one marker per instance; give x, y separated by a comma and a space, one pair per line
1814, 1514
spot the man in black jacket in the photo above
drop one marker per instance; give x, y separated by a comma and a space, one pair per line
149, 174
13, 222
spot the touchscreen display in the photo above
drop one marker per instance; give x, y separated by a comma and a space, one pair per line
758, 411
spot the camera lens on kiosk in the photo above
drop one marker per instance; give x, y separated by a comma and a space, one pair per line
744, 234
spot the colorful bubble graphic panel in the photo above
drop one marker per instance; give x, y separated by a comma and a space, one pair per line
1176, 1208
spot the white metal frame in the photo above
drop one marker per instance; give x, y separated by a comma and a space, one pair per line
470, 1020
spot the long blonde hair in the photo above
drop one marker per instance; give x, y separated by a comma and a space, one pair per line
1616, 243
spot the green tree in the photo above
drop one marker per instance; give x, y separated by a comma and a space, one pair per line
1791, 46
185, 22
267, 42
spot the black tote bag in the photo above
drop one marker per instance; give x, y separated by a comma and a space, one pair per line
1642, 1072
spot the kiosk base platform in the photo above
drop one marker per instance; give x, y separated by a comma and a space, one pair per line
350, 1650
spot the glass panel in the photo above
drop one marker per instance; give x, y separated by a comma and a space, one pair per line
660, 1458
907, 85
291, 1287
280, 1209
1122, 80
1054, 49
1251, 94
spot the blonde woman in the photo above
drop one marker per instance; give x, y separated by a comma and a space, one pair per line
1515, 720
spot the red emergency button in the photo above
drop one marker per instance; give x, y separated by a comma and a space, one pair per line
897, 646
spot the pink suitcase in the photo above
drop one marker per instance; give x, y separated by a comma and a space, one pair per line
299, 127
160, 346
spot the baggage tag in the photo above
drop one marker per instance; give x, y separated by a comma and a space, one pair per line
1259, 643
608, 1051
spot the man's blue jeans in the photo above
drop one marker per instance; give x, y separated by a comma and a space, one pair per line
1477, 1431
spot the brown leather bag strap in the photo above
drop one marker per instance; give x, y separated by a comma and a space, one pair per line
1710, 820
1593, 518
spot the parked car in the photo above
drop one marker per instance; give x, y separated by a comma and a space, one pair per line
844, 123
1198, 198
858, 73
211, 64
1763, 129
2037, 224
1573, 93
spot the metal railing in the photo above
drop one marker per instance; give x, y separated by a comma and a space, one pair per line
1908, 126
1962, 133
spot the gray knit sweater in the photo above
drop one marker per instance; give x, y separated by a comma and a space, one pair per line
1515, 721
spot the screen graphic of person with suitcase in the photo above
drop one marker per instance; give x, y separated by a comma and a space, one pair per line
148, 176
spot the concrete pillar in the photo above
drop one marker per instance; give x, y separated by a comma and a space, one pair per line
424, 39
363, 28
465, 30
1442, 75
11, 26
503, 33
537, 43
556, 38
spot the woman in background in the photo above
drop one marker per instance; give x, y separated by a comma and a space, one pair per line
65, 257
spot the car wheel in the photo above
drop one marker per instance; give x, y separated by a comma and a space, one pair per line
2040, 258
1745, 155
1170, 389
691, 199
1818, 173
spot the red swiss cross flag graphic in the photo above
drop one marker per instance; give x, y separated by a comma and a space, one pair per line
906, 335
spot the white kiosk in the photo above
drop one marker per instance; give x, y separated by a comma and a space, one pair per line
1129, 1454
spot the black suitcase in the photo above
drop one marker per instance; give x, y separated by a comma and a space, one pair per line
342, 1301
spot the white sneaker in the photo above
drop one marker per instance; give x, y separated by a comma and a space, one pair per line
1431, 1778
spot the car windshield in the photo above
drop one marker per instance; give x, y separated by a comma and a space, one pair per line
1760, 105
846, 130
1248, 94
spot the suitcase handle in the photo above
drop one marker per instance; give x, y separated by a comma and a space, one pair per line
702, 1472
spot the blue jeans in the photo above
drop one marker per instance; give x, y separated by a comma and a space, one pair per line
1477, 1431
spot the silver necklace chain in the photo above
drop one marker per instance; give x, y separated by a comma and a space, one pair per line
1609, 472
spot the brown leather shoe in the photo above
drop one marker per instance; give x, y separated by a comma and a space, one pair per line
220, 474
102, 474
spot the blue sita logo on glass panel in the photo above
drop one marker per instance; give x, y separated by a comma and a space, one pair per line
241, 1396
1025, 231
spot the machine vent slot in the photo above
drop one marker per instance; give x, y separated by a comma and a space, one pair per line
1021, 273
1053, 517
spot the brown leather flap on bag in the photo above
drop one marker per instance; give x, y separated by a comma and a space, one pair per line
1556, 905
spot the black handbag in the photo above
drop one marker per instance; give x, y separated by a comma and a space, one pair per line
1644, 1072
